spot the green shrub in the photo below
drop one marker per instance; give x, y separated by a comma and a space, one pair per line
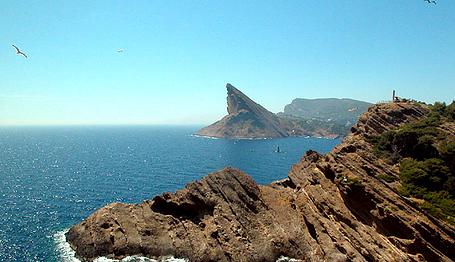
427, 160
440, 204
450, 111
439, 108
430, 174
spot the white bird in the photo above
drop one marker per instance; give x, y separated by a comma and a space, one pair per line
120, 51
19, 52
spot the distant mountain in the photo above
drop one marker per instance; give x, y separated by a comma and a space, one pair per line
343, 111
248, 119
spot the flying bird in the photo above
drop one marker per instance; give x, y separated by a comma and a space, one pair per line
19, 52
430, 1
120, 51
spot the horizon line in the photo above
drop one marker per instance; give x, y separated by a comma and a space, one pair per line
95, 125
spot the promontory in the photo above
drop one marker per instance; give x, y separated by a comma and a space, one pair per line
356, 203
248, 119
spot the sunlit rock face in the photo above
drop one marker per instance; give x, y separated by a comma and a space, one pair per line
332, 207
248, 119
245, 119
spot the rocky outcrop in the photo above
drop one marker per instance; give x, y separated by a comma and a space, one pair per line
247, 119
332, 207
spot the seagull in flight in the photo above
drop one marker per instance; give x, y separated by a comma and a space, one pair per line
430, 1
19, 52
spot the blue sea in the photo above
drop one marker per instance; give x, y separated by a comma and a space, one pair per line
54, 177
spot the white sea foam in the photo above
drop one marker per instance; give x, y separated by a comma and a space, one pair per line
67, 254
141, 259
287, 259
63, 248
232, 138
208, 137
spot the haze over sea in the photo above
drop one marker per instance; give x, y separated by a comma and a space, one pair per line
54, 177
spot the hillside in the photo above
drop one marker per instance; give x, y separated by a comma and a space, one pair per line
424, 150
344, 112
341, 206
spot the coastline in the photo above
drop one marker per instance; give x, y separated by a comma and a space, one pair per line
67, 254
264, 138
324, 200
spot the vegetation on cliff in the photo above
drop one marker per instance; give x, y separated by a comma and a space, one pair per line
334, 114
248, 119
425, 152
332, 207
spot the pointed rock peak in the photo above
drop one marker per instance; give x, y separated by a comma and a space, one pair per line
237, 101
245, 119
233, 91
231, 88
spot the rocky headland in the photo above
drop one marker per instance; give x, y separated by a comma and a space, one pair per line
333, 207
248, 119
337, 115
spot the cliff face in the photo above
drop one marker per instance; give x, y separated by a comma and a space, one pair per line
328, 118
332, 207
330, 114
335, 109
245, 119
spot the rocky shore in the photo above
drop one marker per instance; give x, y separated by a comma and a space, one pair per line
332, 207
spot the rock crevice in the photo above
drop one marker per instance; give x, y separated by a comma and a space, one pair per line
330, 208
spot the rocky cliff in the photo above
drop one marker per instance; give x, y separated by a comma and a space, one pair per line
332, 207
245, 119
248, 119
333, 114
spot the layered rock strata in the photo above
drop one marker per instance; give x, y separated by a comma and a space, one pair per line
331, 207
248, 119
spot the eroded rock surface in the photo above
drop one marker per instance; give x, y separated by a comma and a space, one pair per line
248, 119
331, 207
245, 119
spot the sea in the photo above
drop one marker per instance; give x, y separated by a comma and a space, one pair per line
53, 177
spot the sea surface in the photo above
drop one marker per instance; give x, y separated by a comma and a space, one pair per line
54, 177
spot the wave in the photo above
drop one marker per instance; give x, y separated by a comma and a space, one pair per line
287, 259
63, 248
232, 138
141, 259
67, 254
201, 136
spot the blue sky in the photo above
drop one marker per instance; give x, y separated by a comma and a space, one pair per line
180, 54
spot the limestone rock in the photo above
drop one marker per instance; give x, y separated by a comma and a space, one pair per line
245, 119
331, 207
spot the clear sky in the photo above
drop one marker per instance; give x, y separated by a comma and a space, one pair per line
180, 54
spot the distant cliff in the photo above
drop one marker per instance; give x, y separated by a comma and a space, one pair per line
337, 115
334, 109
342, 206
245, 119
248, 119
